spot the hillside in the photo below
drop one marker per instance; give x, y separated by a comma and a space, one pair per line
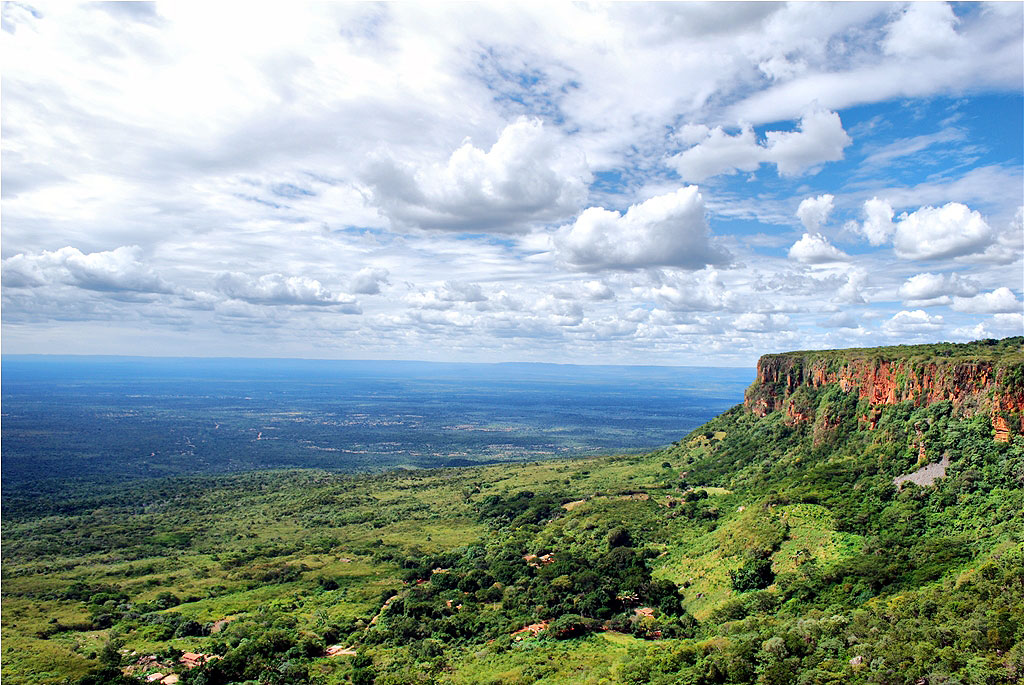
771, 545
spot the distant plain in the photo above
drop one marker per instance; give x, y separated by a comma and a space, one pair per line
120, 418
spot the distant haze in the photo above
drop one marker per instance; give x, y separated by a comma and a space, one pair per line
121, 418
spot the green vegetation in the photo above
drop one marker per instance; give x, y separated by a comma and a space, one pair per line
754, 550
1009, 351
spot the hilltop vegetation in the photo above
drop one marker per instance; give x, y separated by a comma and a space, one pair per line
755, 549
1009, 351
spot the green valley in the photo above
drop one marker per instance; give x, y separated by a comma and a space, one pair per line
770, 545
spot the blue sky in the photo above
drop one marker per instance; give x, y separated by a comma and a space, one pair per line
631, 183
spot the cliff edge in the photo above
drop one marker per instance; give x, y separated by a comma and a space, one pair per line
982, 377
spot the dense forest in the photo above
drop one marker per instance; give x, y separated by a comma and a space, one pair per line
785, 548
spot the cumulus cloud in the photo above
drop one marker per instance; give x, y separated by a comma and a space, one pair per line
816, 249
851, 292
531, 174
753, 322
1007, 245
999, 301
596, 290
878, 226
559, 312
819, 138
923, 29
912, 322
278, 289
948, 231
718, 153
118, 270
667, 230
928, 289
368, 281
450, 294
953, 230
996, 327
702, 291
814, 211
585, 290
779, 68
1011, 323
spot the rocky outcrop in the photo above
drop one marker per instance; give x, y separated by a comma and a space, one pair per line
991, 382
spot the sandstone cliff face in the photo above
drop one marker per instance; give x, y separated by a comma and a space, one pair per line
972, 386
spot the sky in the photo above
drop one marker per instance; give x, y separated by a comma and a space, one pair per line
623, 183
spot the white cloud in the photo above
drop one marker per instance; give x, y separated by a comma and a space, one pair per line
691, 134
928, 289
851, 292
912, 322
934, 233
279, 289
447, 296
369, 280
999, 301
1008, 244
984, 55
718, 153
814, 211
878, 226
752, 322
703, 291
816, 249
953, 230
1011, 324
254, 151
596, 290
531, 174
667, 230
840, 320
559, 312
819, 138
923, 29
118, 270
779, 68
996, 327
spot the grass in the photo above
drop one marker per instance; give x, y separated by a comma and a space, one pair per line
589, 661
811, 536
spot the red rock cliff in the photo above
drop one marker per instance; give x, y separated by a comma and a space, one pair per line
992, 385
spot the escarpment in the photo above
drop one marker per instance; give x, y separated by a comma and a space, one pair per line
984, 377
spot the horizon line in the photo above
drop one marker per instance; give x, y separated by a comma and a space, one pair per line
53, 356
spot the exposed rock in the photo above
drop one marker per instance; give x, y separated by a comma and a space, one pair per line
926, 475
339, 650
193, 659
532, 630
219, 625
888, 376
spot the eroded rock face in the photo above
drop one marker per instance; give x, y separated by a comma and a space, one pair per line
971, 386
